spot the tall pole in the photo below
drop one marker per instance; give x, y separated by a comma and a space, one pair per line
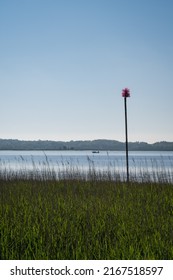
126, 131
125, 94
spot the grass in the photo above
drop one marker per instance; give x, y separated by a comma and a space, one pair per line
74, 218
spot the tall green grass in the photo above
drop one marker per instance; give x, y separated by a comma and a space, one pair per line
71, 214
85, 219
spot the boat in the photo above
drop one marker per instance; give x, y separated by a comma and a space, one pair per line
95, 152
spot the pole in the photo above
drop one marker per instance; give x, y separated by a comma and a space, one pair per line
126, 131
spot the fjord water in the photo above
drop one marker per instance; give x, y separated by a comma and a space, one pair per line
140, 163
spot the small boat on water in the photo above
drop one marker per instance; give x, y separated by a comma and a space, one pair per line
95, 152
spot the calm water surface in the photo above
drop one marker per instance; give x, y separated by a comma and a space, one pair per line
112, 161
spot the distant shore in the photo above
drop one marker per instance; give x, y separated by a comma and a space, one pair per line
98, 145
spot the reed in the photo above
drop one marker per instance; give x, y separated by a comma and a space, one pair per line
78, 215
141, 171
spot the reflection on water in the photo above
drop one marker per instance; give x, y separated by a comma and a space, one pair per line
141, 164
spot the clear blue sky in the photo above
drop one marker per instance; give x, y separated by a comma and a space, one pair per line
64, 63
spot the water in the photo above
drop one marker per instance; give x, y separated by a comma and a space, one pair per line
141, 164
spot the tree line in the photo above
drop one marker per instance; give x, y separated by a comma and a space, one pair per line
100, 144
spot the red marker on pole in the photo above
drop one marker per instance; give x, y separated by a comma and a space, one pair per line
125, 94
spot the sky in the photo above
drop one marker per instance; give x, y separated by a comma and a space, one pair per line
64, 63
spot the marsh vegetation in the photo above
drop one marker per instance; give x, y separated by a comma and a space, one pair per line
84, 217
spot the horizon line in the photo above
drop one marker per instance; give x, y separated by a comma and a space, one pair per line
79, 140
